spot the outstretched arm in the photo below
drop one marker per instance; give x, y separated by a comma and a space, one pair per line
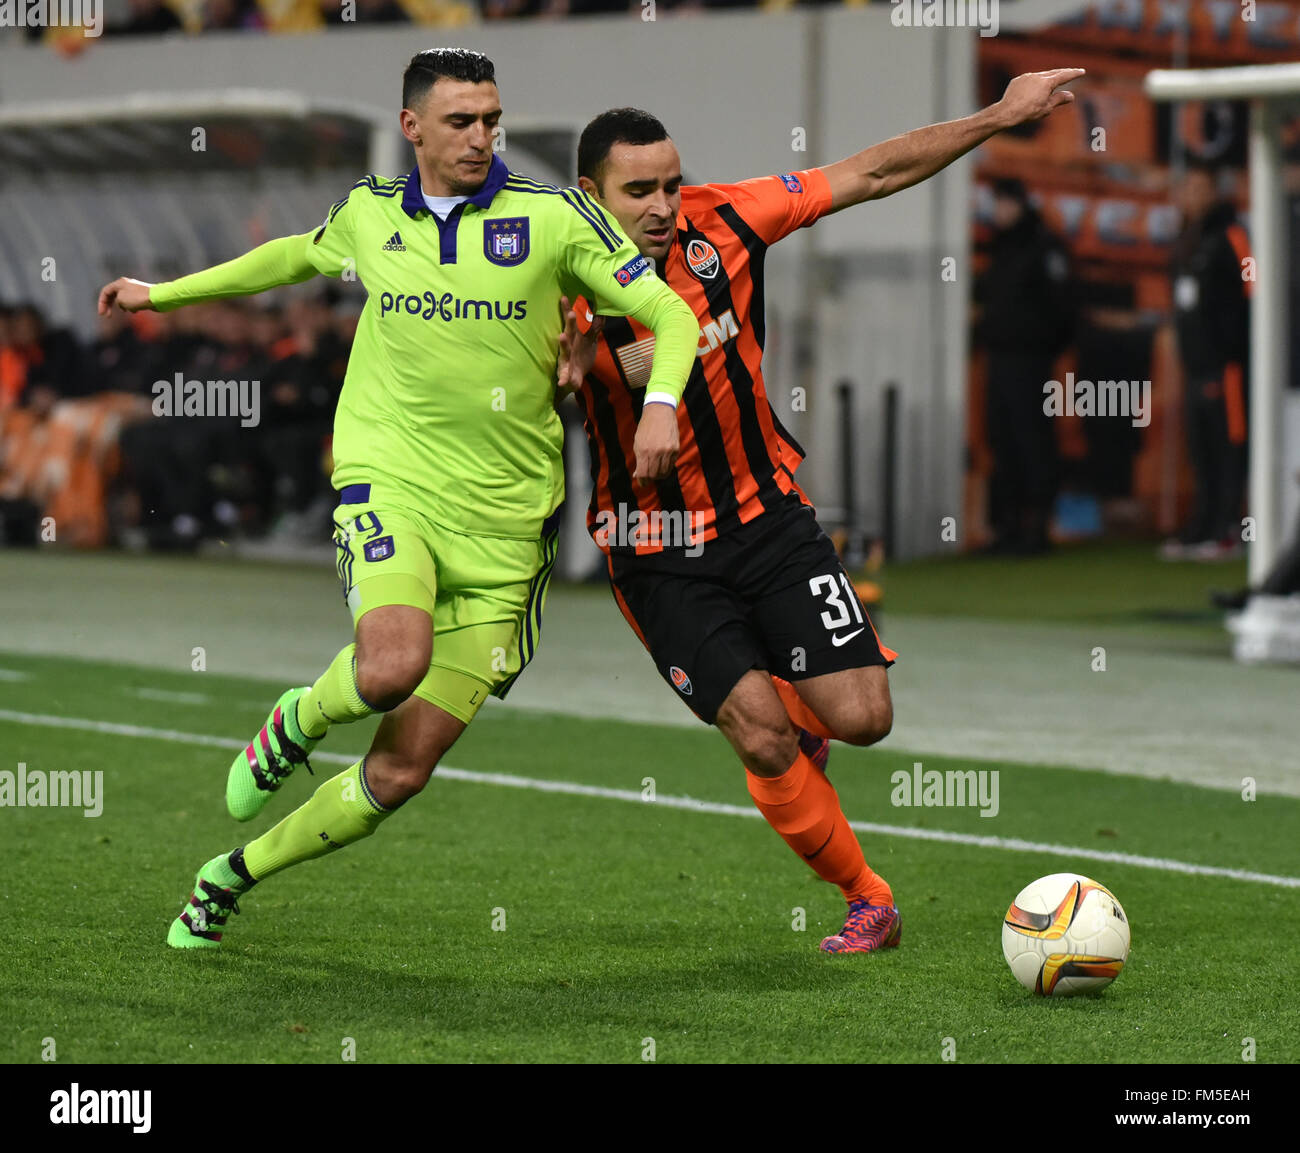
902, 161
282, 261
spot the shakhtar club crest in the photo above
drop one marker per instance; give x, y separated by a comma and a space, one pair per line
505, 241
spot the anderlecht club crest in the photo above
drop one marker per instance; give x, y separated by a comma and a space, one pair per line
505, 240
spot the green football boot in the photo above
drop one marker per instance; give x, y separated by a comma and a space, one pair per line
204, 916
266, 762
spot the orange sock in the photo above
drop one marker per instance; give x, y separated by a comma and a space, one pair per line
804, 808
800, 713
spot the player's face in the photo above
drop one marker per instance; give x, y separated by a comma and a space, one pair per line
1196, 196
452, 134
1007, 210
641, 184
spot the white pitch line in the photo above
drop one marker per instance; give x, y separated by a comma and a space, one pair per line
167, 696
14, 675
718, 808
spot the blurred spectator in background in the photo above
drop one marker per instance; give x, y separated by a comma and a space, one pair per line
18, 516
510, 9
37, 367
229, 15
58, 435
191, 472
1114, 340
13, 368
118, 360
1024, 319
6, 329
381, 12
1211, 322
708, 5
300, 390
364, 12
83, 450
148, 17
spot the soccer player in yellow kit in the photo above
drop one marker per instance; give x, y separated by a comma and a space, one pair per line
448, 454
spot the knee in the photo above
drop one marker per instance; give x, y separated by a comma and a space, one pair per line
396, 779
387, 677
767, 746
867, 724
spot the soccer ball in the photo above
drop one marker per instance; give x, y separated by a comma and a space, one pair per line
1065, 934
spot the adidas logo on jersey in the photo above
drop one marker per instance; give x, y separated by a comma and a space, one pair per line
395, 243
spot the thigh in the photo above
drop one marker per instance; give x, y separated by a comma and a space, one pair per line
487, 616
382, 559
697, 631
394, 633
806, 612
841, 699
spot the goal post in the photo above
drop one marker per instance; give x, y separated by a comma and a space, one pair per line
1265, 86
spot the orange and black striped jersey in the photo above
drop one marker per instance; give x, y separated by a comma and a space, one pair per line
736, 459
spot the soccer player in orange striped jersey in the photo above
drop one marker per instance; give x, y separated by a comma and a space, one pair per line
721, 568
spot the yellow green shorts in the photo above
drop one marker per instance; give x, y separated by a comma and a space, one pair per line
485, 594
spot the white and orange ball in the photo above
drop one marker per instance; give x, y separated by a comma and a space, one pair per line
1065, 934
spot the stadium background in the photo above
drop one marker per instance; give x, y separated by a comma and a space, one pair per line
854, 305
101, 636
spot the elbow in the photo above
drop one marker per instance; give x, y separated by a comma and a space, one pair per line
865, 186
879, 184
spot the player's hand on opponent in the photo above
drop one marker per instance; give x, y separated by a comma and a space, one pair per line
129, 295
656, 444
1032, 95
577, 350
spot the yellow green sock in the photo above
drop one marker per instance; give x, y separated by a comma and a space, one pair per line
333, 699
341, 811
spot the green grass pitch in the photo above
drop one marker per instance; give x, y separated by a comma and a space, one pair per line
623, 920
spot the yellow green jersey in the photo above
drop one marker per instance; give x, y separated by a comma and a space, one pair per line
450, 387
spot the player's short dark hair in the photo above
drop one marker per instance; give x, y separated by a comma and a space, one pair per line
433, 64
617, 126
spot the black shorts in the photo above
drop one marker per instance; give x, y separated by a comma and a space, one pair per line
770, 595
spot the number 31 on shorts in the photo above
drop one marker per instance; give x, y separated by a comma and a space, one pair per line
846, 608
